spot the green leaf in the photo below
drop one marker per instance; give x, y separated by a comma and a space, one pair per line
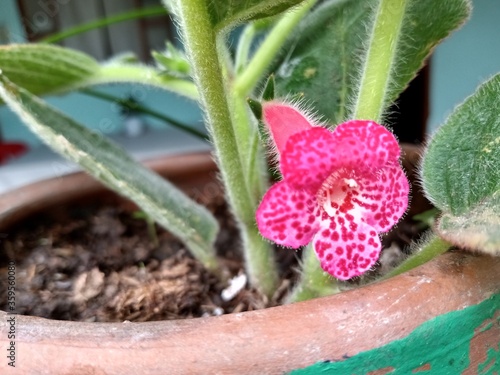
107, 162
461, 173
323, 59
461, 164
226, 13
43, 69
426, 24
478, 229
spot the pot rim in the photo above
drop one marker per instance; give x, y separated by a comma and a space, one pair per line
273, 340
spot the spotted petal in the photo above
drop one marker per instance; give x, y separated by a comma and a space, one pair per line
365, 145
308, 158
346, 248
287, 216
382, 198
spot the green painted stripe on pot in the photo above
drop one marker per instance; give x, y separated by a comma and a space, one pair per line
439, 346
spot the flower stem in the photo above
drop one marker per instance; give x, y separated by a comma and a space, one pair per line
201, 47
430, 249
314, 282
145, 110
248, 76
127, 16
141, 74
243, 50
380, 56
268, 50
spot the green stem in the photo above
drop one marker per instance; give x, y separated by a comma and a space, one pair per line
142, 74
376, 77
245, 131
201, 47
268, 50
145, 110
243, 50
432, 247
314, 282
80, 29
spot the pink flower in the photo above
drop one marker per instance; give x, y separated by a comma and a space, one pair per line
340, 189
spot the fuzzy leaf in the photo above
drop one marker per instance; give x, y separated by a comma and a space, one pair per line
43, 69
426, 24
323, 60
232, 12
461, 165
324, 57
107, 162
478, 229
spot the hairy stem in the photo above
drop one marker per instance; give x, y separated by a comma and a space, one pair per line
201, 47
141, 74
380, 56
268, 50
430, 249
245, 81
243, 50
314, 282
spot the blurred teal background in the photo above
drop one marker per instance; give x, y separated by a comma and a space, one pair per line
464, 60
98, 114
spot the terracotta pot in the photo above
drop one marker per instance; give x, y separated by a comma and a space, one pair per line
442, 317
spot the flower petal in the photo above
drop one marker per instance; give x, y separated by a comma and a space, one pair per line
287, 216
382, 197
309, 158
365, 145
283, 120
346, 248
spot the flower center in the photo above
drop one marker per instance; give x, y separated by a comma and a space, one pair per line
336, 193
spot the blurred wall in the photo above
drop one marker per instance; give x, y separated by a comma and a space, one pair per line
464, 60
95, 113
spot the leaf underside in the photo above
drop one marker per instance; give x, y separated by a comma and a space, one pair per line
479, 229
